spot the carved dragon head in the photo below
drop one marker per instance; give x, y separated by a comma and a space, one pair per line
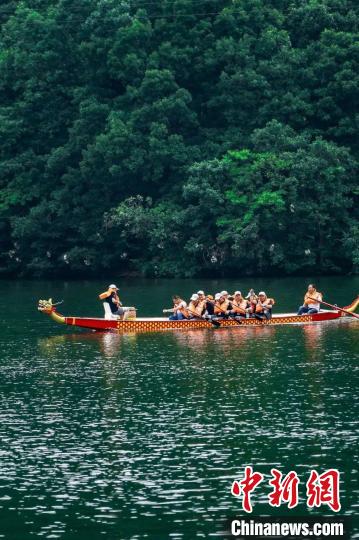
46, 306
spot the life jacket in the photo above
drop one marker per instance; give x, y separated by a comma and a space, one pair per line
239, 307
266, 304
221, 308
195, 309
317, 296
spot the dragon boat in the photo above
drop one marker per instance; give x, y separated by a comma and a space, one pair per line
155, 324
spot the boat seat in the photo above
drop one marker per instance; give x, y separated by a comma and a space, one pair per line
109, 316
129, 313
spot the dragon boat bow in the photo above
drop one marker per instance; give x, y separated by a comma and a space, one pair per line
155, 324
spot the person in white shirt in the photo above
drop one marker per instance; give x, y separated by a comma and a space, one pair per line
179, 310
311, 302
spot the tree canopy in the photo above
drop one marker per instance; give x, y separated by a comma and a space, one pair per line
179, 137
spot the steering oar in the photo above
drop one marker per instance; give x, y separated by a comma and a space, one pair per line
335, 307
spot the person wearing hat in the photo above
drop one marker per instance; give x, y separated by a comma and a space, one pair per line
222, 305
250, 293
195, 307
202, 299
239, 305
252, 299
264, 306
112, 299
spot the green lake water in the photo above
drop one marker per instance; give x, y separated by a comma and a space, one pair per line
140, 436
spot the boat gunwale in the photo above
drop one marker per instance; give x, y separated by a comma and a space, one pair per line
158, 325
194, 319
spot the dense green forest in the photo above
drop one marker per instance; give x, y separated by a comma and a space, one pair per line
179, 137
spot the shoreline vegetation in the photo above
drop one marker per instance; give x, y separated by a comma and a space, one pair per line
179, 138
107, 276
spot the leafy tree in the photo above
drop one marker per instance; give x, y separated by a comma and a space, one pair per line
214, 125
285, 205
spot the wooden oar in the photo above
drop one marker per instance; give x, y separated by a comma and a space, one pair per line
223, 311
214, 323
335, 307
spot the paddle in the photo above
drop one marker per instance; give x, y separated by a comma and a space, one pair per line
223, 311
335, 307
216, 324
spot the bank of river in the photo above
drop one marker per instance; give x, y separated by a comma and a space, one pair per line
140, 436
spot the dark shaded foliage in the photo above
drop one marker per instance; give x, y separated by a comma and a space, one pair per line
178, 137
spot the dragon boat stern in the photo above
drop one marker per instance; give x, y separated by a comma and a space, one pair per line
352, 307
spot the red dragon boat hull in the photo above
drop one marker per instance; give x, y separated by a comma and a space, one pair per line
156, 324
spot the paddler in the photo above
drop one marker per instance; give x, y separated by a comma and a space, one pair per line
209, 306
239, 305
228, 299
179, 310
252, 299
202, 298
222, 305
112, 299
264, 306
225, 295
195, 307
311, 302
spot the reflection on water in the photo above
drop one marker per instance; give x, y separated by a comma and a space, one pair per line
224, 339
201, 341
108, 343
313, 335
140, 436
